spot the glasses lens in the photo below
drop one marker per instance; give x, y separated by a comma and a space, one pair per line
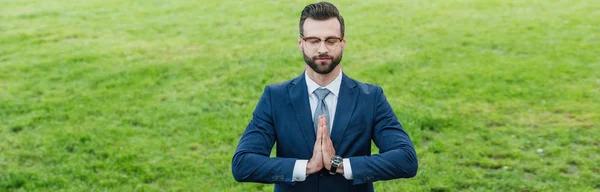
312, 43
332, 43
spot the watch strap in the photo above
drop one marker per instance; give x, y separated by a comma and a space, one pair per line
333, 170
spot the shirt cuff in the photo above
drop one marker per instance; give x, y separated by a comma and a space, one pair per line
299, 173
347, 169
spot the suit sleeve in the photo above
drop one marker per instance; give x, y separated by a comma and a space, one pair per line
251, 161
397, 157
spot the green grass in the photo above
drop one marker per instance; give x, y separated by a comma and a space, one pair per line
154, 95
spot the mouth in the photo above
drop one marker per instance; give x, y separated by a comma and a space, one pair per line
323, 59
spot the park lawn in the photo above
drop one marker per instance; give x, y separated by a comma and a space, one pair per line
107, 95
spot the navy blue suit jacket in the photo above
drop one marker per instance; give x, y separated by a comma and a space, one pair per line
283, 116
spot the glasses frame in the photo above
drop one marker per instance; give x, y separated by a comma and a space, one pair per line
321, 41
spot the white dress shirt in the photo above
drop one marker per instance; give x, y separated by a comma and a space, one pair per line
299, 173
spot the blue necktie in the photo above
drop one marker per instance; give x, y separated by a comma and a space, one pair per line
321, 107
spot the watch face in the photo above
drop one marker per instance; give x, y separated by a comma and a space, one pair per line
336, 160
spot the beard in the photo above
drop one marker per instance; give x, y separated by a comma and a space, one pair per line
322, 68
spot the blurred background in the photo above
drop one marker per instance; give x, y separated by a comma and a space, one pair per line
107, 95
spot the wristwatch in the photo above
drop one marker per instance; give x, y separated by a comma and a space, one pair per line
336, 161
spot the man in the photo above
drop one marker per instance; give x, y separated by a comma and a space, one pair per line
323, 122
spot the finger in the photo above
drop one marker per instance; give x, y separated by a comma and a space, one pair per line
322, 122
326, 140
329, 145
319, 121
319, 130
318, 149
318, 144
326, 129
320, 118
319, 137
326, 144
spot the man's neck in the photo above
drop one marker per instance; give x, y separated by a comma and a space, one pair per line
323, 79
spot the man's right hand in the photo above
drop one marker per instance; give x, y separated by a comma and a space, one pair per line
315, 164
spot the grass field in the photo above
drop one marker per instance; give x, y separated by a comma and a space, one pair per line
107, 95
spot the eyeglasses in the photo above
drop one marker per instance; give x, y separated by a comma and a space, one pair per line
331, 43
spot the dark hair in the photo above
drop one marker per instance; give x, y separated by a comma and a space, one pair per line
320, 11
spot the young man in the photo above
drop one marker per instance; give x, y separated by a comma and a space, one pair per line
323, 122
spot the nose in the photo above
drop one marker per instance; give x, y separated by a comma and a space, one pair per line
322, 48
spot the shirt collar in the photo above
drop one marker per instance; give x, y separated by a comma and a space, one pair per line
334, 86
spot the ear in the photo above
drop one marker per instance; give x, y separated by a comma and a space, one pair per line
344, 43
300, 42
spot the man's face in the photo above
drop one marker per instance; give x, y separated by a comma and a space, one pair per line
322, 44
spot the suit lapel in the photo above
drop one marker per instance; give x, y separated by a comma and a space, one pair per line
345, 107
299, 98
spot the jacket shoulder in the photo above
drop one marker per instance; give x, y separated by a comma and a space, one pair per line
278, 87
